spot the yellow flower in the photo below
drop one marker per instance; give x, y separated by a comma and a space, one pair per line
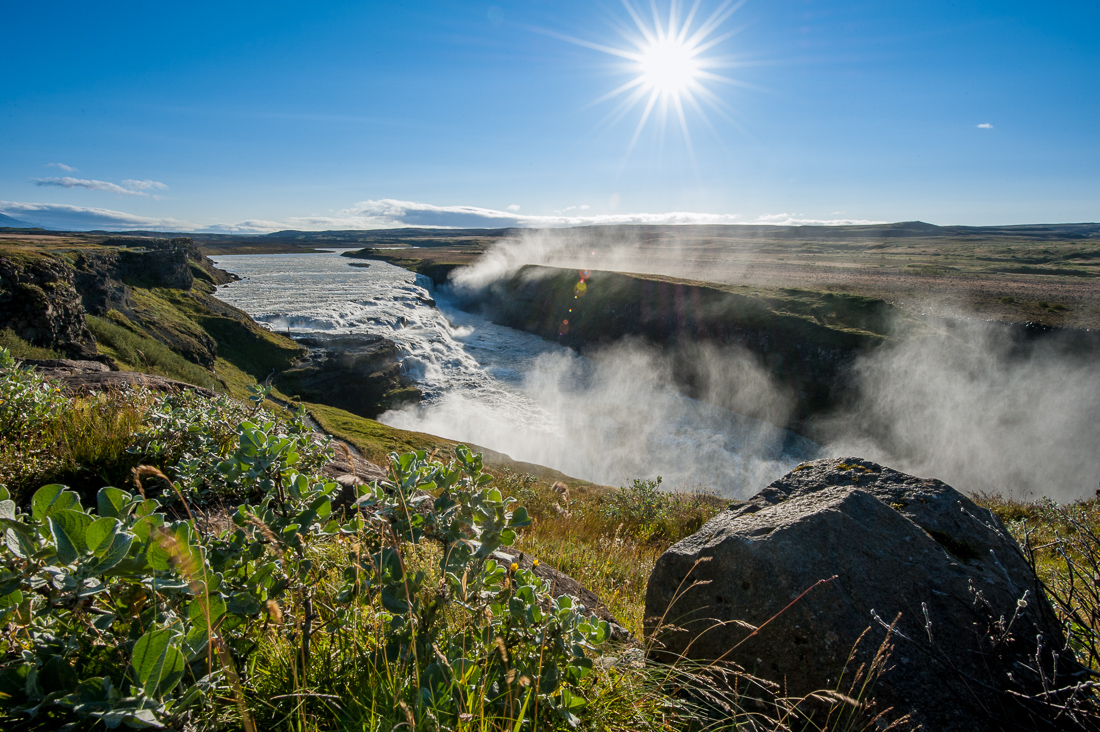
535, 563
514, 567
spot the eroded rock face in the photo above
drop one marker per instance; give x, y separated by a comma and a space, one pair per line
359, 373
105, 277
40, 304
900, 547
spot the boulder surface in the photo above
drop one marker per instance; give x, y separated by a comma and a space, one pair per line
971, 625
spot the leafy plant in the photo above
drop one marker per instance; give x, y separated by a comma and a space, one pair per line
526, 650
120, 615
27, 401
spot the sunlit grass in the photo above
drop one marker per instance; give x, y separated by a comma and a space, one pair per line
142, 353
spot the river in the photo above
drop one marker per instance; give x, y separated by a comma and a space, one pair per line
607, 419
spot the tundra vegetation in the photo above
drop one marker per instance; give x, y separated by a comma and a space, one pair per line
177, 560
196, 572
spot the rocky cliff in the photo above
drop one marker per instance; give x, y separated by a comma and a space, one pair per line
805, 340
139, 294
359, 374
107, 277
40, 303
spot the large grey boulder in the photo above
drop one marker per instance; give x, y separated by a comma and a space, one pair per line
973, 626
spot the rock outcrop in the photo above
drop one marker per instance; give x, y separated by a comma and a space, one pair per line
106, 279
44, 297
104, 275
973, 627
83, 377
39, 302
358, 373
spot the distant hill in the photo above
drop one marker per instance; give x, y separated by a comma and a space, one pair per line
904, 229
8, 221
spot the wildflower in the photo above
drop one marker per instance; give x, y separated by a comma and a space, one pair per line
513, 568
535, 563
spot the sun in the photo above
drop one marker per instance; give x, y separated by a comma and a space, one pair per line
668, 54
668, 67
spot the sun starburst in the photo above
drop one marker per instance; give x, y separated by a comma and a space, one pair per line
670, 58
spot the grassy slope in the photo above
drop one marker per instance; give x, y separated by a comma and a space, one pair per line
20, 348
167, 327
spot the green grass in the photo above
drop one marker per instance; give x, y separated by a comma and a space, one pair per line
137, 352
1062, 543
20, 348
86, 449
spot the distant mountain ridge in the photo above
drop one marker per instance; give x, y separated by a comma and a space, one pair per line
901, 229
9, 222
429, 237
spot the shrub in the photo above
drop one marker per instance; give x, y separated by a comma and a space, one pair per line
27, 401
645, 512
121, 615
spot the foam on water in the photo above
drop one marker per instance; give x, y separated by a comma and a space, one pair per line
514, 392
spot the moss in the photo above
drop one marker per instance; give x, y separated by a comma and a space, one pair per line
251, 349
201, 275
159, 314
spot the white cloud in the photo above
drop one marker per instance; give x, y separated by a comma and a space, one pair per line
62, 216
62, 166
390, 213
144, 185
129, 187
94, 185
251, 226
514, 207
985, 126
786, 219
393, 213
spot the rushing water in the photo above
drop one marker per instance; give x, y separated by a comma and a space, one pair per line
606, 419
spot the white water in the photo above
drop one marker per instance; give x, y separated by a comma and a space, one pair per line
608, 419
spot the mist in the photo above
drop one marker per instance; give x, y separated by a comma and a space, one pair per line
642, 250
973, 404
980, 409
616, 415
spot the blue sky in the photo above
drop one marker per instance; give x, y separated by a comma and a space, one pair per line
260, 116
